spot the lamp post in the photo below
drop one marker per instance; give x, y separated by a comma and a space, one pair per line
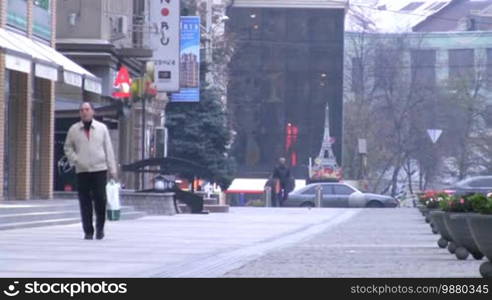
209, 32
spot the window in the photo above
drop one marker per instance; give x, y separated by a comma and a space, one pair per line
412, 6
16, 13
481, 182
327, 189
461, 64
387, 67
341, 189
357, 76
423, 68
310, 191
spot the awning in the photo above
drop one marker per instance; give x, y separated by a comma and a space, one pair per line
21, 51
73, 73
253, 185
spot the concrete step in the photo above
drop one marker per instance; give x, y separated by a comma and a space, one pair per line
211, 208
39, 223
30, 207
38, 216
46, 214
210, 201
217, 208
65, 195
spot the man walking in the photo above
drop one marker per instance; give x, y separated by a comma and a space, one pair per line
88, 148
281, 177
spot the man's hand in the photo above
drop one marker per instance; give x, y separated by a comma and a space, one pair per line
113, 176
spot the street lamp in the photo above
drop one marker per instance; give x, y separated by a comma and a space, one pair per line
209, 32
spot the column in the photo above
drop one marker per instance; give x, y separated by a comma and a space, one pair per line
47, 142
23, 88
2, 119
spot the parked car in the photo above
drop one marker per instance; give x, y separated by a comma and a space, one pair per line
477, 184
337, 195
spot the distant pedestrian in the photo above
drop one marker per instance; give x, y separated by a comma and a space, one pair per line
281, 181
88, 148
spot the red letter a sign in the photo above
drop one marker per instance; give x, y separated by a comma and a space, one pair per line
122, 83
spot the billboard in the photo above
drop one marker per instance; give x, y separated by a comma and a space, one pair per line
164, 17
190, 61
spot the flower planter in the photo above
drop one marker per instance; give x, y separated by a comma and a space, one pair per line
433, 228
437, 217
427, 214
423, 210
429, 220
460, 232
481, 229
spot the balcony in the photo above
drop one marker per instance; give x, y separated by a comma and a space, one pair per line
140, 32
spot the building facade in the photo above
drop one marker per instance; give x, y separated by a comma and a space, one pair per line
287, 66
29, 70
103, 35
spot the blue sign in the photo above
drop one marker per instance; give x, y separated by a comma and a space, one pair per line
189, 61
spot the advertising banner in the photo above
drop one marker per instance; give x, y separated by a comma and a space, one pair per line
190, 61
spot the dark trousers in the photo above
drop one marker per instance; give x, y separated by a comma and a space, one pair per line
92, 188
279, 198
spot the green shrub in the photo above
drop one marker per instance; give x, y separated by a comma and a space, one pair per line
457, 204
481, 204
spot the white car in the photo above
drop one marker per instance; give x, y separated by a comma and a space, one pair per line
336, 194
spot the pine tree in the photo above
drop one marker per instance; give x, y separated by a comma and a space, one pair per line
199, 132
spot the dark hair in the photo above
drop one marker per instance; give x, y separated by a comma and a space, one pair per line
88, 102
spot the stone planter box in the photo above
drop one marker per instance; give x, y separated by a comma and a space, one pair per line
446, 240
429, 220
150, 203
433, 228
423, 209
460, 232
481, 230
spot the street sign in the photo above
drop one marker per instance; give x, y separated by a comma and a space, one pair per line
434, 134
122, 83
362, 146
164, 15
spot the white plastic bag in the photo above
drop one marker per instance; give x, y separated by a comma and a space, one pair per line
113, 195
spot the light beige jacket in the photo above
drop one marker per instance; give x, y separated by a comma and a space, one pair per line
91, 154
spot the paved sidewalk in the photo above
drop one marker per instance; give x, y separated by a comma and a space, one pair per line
163, 246
375, 243
247, 242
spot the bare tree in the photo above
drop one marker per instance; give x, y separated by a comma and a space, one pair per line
467, 138
385, 107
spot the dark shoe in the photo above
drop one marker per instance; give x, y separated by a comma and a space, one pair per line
88, 237
100, 235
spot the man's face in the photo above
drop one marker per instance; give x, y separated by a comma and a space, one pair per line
282, 161
86, 112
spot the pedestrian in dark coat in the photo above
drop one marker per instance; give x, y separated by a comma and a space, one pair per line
281, 177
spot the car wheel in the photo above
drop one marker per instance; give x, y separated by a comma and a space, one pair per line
374, 204
307, 204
